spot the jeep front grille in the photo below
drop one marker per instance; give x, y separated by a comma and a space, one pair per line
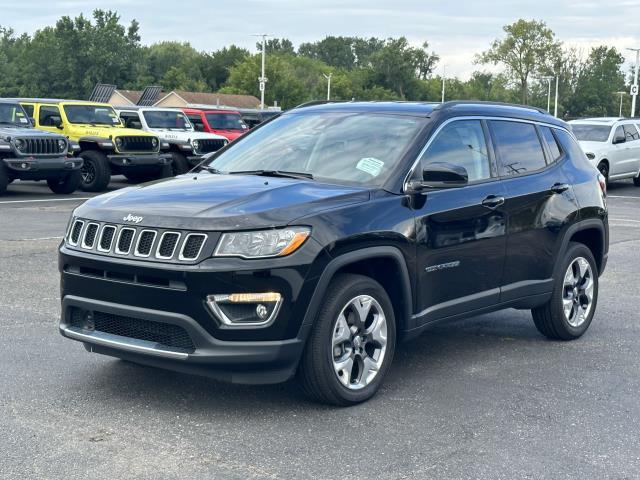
40, 146
125, 241
137, 144
210, 145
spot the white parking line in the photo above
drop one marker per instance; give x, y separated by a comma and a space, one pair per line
623, 196
46, 200
624, 220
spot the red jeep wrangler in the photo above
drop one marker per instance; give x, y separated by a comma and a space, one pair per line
227, 123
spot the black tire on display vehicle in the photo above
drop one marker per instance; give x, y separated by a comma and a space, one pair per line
96, 172
179, 164
352, 342
165, 171
603, 168
570, 310
636, 181
66, 184
4, 179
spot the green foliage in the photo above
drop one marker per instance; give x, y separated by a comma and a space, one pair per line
69, 58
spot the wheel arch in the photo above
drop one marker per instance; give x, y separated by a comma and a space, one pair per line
592, 234
369, 262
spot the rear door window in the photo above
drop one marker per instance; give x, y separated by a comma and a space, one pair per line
630, 133
552, 143
518, 147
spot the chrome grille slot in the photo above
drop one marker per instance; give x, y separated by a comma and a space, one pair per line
106, 238
167, 245
76, 230
125, 240
192, 246
40, 146
145, 243
90, 234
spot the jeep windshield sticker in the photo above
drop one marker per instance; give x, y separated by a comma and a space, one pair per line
370, 165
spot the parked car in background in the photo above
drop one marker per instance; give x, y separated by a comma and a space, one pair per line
106, 147
253, 118
227, 123
315, 244
186, 146
612, 145
29, 154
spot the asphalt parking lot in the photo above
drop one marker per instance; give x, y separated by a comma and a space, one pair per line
487, 397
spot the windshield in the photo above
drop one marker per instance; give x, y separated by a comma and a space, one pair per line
342, 147
225, 121
13, 114
591, 133
167, 119
91, 114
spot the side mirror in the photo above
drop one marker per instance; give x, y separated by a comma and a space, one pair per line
619, 138
441, 175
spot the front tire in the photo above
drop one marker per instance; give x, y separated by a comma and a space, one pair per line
636, 181
179, 164
570, 310
4, 179
67, 184
603, 168
96, 172
352, 342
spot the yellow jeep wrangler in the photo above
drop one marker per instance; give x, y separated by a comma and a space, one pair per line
106, 146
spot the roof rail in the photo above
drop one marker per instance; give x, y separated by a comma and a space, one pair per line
454, 103
320, 102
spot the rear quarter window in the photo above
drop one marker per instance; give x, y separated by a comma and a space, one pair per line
552, 144
569, 145
518, 146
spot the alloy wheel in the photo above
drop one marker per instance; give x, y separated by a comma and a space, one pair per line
88, 172
577, 295
359, 342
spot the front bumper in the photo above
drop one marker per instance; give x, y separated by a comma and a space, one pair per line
42, 165
236, 362
136, 160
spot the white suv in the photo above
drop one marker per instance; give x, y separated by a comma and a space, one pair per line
187, 146
612, 145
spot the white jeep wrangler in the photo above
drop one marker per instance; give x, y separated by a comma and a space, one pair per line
187, 146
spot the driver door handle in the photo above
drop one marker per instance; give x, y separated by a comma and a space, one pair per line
493, 201
559, 187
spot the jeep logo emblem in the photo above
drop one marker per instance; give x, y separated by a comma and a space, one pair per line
132, 219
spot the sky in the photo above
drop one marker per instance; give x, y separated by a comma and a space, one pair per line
456, 30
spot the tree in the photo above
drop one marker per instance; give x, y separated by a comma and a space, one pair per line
278, 45
599, 79
527, 49
216, 66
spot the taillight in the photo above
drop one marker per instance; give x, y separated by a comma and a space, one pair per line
603, 184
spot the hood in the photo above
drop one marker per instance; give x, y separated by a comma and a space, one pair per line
185, 136
594, 147
220, 202
106, 131
22, 132
230, 135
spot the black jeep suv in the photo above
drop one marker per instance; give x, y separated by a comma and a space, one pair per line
314, 244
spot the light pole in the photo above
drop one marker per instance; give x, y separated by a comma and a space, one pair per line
328, 77
548, 79
263, 78
634, 87
555, 108
444, 73
621, 95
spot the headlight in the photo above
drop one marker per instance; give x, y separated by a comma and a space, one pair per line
19, 143
118, 143
62, 145
262, 243
196, 144
591, 156
154, 142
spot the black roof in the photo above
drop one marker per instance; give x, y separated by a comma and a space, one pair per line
427, 109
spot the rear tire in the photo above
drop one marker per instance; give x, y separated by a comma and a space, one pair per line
4, 179
180, 164
568, 314
636, 181
96, 172
352, 342
67, 184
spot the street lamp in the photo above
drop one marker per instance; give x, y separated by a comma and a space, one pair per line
328, 77
444, 73
548, 79
263, 78
634, 87
621, 95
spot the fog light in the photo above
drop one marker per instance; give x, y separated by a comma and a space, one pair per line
245, 309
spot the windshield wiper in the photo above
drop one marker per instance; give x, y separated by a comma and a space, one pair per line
275, 173
210, 169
